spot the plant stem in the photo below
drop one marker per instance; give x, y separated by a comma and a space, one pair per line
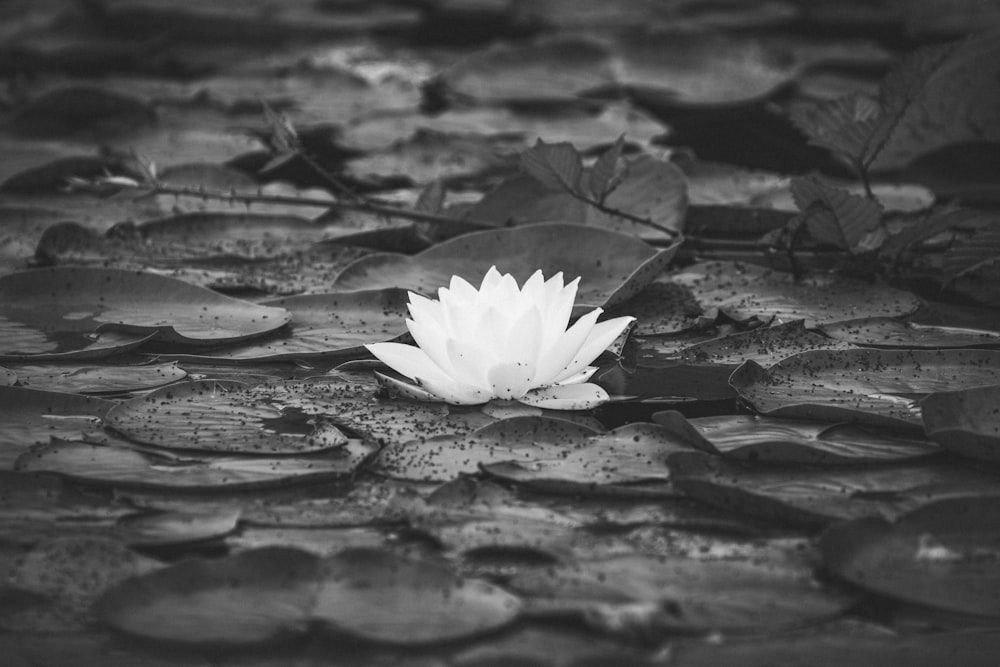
622, 214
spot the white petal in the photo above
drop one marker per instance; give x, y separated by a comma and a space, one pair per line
456, 393
490, 280
462, 288
423, 309
407, 360
554, 360
533, 290
470, 362
432, 339
569, 397
460, 318
492, 330
558, 311
509, 379
582, 376
602, 335
522, 345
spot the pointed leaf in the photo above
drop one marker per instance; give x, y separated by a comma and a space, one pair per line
607, 172
558, 167
837, 217
843, 125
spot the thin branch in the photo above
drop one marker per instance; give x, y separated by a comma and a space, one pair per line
671, 233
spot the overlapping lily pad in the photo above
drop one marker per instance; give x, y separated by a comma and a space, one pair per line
33, 416
810, 495
764, 345
745, 290
965, 422
943, 555
754, 438
96, 379
322, 326
58, 309
872, 386
889, 332
218, 416
612, 267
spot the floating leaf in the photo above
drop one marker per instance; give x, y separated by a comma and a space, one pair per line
177, 527
943, 555
443, 458
890, 332
612, 267
753, 439
743, 291
218, 416
55, 310
243, 599
97, 379
323, 326
388, 598
965, 257
33, 416
764, 345
813, 496
869, 386
965, 422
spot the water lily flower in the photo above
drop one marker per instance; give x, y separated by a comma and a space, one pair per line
502, 342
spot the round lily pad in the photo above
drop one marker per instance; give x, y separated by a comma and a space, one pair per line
743, 291
612, 267
889, 332
388, 598
58, 309
96, 379
219, 416
872, 386
965, 422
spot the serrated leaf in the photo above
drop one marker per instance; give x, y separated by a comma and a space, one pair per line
838, 217
556, 166
900, 89
981, 250
843, 125
607, 172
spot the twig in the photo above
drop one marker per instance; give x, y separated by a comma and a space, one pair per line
622, 214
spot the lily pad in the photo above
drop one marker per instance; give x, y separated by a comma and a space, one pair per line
612, 267
34, 416
753, 438
764, 345
251, 597
943, 555
177, 527
383, 597
812, 496
965, 422
661, 308
125, 466
743, 291
888, 332
97, 379
55, 310
219, 416
685, 594
322, 326
871, 386
445, 457
628, 454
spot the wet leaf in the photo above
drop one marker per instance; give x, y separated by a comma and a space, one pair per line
871, 386
216, 416
744, 290
33, 416
889, 332
833, 216
965, 422
96, 379
323, 326
812, 496
243, 599
383, 597
445, 457
764, 345
943, 555
756, 439
57, 310
612, 267
177, 527
559, 167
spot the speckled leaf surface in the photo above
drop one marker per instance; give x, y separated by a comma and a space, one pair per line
965, 422
942, 555
745, 290
54, 310
33, 416
323, 326
756, 438
872, 386
764, 345
612, 267
219, 416
819, 495
96, 379
888, 332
